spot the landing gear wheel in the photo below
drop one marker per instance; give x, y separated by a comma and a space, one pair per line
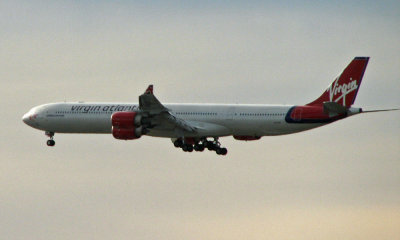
185, 148
178, 143
211, 147
200, 144
219, 151
51, 143
199, 147
190, 148
224, 151
214, 146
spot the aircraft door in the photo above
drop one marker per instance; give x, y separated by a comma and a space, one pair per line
230, 114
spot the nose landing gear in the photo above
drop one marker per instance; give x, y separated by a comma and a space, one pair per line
51, 141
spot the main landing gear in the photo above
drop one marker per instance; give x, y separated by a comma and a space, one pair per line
189, 144
51, 141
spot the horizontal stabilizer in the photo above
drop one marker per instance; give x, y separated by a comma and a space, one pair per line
381, 110
334, 107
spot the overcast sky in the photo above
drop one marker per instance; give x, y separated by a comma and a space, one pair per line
341, 181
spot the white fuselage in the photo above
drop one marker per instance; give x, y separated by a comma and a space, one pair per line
210, 119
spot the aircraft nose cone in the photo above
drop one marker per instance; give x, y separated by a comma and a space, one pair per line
25, 118
29, 119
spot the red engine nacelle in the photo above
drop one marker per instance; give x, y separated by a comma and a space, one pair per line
246, 138
127, 133
126, 119
126, 125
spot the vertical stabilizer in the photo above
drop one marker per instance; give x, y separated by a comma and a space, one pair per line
345, 87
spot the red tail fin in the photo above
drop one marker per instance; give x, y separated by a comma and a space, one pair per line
345, 87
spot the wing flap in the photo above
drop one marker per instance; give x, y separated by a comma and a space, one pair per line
180, 123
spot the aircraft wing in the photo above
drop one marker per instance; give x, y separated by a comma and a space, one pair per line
162, 116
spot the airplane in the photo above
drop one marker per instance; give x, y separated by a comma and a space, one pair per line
199, 126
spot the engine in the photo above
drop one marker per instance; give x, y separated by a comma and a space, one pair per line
127, 125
